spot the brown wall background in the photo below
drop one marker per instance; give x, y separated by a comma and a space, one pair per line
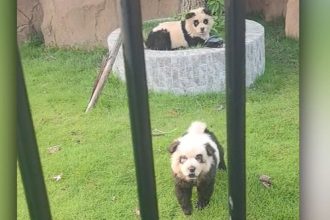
273, 9
29, 18
79, 23
87, 23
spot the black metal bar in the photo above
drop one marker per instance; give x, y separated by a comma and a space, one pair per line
28, 155
235, 95
131, 27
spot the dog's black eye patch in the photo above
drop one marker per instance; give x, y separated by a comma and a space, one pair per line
196, 22
182, 159
206, 21
199, 158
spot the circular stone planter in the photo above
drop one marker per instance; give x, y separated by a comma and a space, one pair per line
196, 70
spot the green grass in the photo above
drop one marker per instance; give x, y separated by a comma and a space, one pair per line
96, 158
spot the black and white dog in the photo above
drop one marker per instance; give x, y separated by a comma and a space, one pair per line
194, 30
195, 158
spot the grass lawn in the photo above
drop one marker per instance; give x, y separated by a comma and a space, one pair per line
96, 157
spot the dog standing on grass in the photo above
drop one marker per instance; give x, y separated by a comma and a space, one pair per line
195, 158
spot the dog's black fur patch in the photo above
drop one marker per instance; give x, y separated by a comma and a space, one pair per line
209, 149
205, 187
159, 40
207, 11
190, 15
183, 192
173, 146
222, 164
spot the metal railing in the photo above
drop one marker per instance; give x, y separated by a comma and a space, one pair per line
235, 99
28, 154
136, 81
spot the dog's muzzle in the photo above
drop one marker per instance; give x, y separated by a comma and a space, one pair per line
192, 172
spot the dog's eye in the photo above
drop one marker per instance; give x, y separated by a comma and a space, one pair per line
196, 22
199, 158
206, 21
183, 159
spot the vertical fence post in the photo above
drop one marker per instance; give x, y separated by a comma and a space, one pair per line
28, 155
235, 95
131, 28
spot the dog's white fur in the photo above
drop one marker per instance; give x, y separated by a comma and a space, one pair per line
192, 144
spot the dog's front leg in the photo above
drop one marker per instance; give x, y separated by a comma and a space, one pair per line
204, 192
183, 194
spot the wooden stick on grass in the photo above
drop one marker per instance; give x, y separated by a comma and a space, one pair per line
103, 76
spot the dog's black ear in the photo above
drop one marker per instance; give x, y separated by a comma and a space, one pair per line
209, 149
190, 15
172, 148
207, 11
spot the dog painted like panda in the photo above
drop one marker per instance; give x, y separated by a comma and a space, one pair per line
195, 158
194, 30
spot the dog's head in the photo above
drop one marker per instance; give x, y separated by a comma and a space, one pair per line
199, 22
193, 154
189, 160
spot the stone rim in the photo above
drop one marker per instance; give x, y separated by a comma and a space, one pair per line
196, 70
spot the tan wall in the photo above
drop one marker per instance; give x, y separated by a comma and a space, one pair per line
274, 9
87, 23
292, 19
271, 9
82, 23
29, 18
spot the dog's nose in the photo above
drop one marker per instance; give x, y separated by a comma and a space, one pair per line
202, 29
192, 169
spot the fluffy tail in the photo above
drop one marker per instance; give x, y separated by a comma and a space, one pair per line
197, 127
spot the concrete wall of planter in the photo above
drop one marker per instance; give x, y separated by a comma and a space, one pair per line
196, 70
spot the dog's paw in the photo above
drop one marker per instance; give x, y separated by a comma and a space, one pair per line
187, 211
201, 204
